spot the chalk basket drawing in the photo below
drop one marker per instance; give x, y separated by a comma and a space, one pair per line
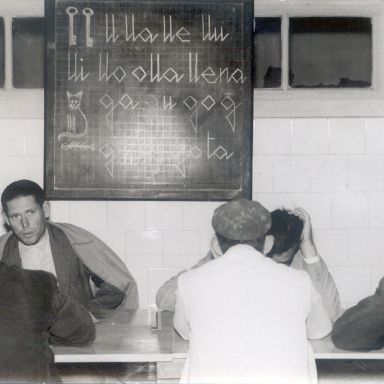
148, 100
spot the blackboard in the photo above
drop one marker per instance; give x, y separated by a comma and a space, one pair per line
148, 99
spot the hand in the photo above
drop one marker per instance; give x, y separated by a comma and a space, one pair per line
307, 246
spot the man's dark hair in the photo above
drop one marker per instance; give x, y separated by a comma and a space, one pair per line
286, 230
225, 243
22, 188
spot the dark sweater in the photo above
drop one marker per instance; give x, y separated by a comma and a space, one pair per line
32, 314
361, 327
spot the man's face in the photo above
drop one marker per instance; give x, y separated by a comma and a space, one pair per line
287, 256
27, 218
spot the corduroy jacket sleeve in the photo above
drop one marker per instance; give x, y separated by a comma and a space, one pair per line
361, 327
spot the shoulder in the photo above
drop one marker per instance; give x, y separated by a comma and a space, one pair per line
73, 232
3, 241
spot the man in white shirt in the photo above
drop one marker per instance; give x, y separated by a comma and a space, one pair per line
247, 317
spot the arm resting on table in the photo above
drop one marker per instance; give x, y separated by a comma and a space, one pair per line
73, 324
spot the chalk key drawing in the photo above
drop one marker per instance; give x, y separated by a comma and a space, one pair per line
88, 13
71, 12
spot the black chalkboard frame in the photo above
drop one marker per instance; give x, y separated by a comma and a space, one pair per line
54, 193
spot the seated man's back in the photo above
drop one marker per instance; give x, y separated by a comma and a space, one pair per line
246, 316
248, 323
34, 313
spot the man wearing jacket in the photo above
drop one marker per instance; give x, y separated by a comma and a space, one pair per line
70, 253
34, 314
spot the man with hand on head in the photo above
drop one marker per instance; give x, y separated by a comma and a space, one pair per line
231, 309
33, 313
294, 246
72, 254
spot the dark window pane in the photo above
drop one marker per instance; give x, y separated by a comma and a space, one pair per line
330, 52
267, 52
2, 53
28, 52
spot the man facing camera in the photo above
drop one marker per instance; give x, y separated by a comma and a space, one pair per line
33, 314
81, 262
247, 317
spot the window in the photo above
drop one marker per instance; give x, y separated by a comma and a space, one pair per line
330, 52
267, 52
324, 52
330, 61
28, 52
2, 53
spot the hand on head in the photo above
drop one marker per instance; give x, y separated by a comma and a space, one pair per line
307, 246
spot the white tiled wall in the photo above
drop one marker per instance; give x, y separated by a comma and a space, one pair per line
332, 167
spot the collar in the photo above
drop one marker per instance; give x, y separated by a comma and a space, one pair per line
215, 247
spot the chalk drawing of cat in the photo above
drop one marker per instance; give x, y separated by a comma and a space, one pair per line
77, 123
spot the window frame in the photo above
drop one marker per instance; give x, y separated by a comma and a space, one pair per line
323, 102
18, 102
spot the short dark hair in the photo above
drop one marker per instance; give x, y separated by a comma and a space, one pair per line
225, 243
22, 188
286, 230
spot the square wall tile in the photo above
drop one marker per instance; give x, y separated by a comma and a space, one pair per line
127, 215
291, 174
366, 173
271, 136
350, 210
262, 174
347, 136
375, 135
180, 260
5, 168
377, 274
366, 247
318, 206
205, 242
60, 211
357, 243
163, 215
144, 261
273, 201
376, 210
114, 239
181, 242
89, 215
198, 215
31, 168
12, 137
332, 246
329, 173
353, 283
141, 277
144, 242
157, 277
34, 137
309, 136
